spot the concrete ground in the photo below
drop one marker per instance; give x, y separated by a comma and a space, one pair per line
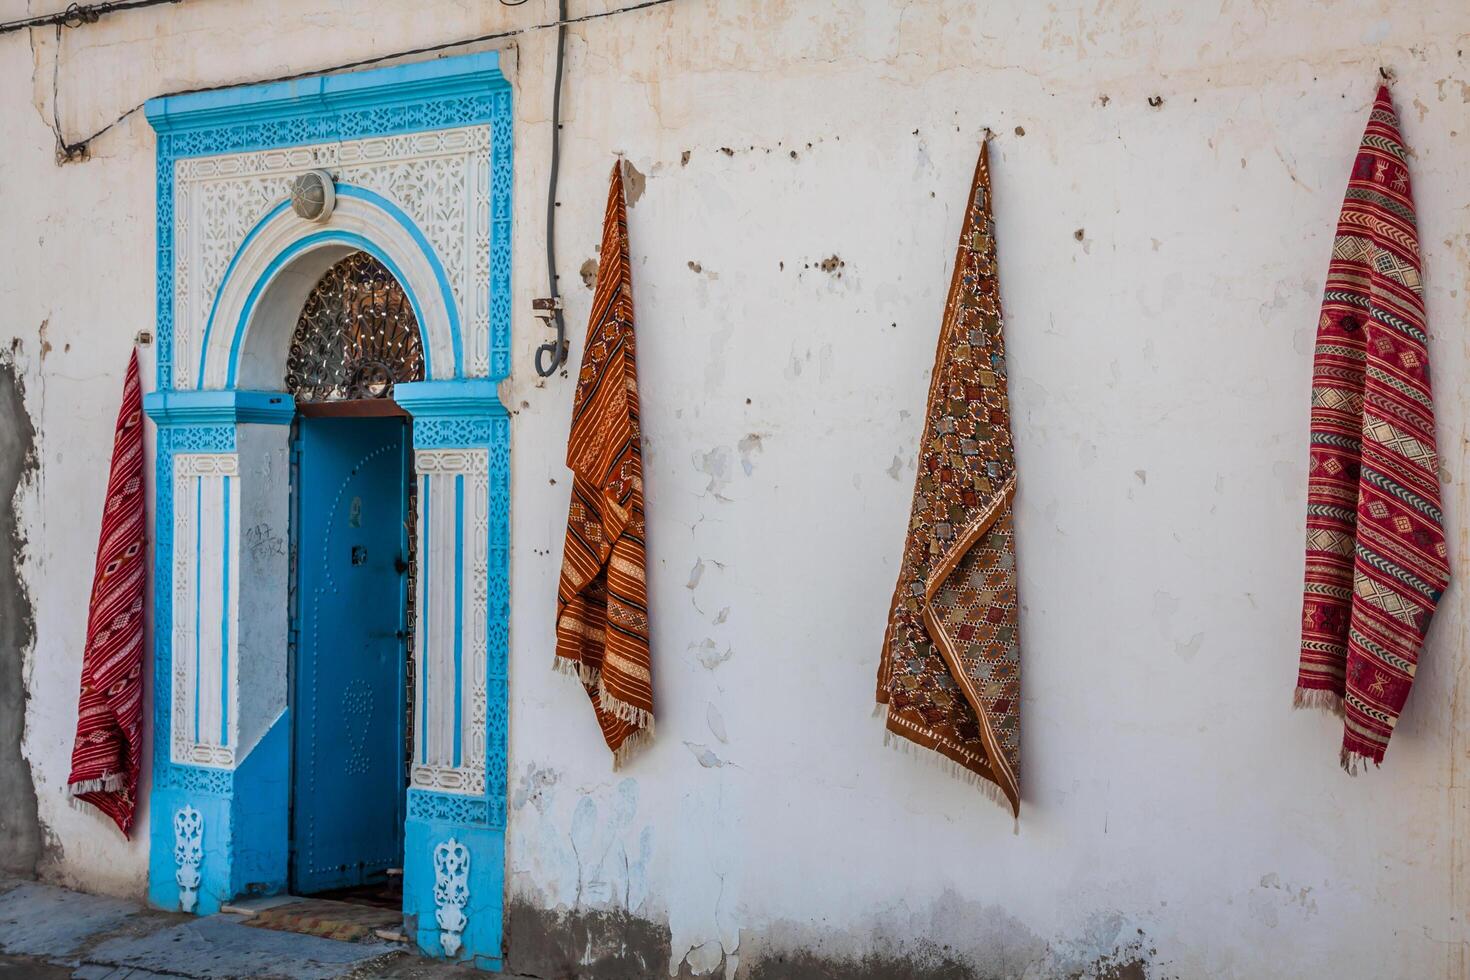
50, 933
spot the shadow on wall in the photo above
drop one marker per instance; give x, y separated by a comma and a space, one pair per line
21, 837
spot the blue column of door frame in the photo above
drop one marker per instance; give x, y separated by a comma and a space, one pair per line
465, 414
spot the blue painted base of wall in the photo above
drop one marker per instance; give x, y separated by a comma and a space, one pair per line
214, 869
261, 812
246, 838
483, 935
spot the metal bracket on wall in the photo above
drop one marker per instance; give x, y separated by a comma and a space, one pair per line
548, 310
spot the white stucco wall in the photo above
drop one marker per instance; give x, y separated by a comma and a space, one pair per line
1161, 268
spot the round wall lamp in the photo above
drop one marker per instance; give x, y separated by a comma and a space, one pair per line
312, 195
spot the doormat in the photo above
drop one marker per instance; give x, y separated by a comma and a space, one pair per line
330, 920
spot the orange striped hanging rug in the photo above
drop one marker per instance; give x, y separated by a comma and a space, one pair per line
950, 673
602, 600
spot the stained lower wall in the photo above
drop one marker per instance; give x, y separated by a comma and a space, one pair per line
22, 842
1167, 179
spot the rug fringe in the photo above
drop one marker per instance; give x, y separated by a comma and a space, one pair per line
623, 711
113, 783
632, 745
1307, 698
589, 676
937, 760
1355, 762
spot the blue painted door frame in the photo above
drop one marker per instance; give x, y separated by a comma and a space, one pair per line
349, 630
244, 807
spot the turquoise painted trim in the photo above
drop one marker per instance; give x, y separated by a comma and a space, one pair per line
458, 613
458, 91
224, 627
198, 599
205, 408
424, 643
245, 808
446, 293
444, 78
457, 398
290, 252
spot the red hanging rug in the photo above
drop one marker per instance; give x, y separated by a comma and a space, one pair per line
109, 745
1376, 557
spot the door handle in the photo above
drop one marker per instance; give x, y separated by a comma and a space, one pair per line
400, 564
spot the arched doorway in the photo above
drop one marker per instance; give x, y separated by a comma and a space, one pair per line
421, 159
352, 582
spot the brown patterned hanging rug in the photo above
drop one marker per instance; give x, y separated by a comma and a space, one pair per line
950, 673
602, 600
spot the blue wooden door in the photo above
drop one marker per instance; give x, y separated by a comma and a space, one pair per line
348, 684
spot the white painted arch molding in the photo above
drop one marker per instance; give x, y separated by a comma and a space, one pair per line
285, 256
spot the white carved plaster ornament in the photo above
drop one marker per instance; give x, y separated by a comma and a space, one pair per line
188, 853
451, 893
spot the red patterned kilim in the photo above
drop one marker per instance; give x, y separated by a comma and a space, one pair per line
950, 673
109, 744
602, 601
1376, 558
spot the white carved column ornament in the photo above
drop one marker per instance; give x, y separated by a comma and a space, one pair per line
451, 892
450, 641
188, 852
206, 580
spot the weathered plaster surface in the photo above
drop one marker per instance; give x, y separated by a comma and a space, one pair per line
21, 839
1167, 177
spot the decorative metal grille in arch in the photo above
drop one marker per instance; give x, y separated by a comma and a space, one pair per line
357, 335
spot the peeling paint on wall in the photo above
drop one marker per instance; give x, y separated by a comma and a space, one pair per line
634, 183
21, 834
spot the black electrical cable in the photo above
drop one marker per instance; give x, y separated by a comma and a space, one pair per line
78, 150
557, 346
78, 14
